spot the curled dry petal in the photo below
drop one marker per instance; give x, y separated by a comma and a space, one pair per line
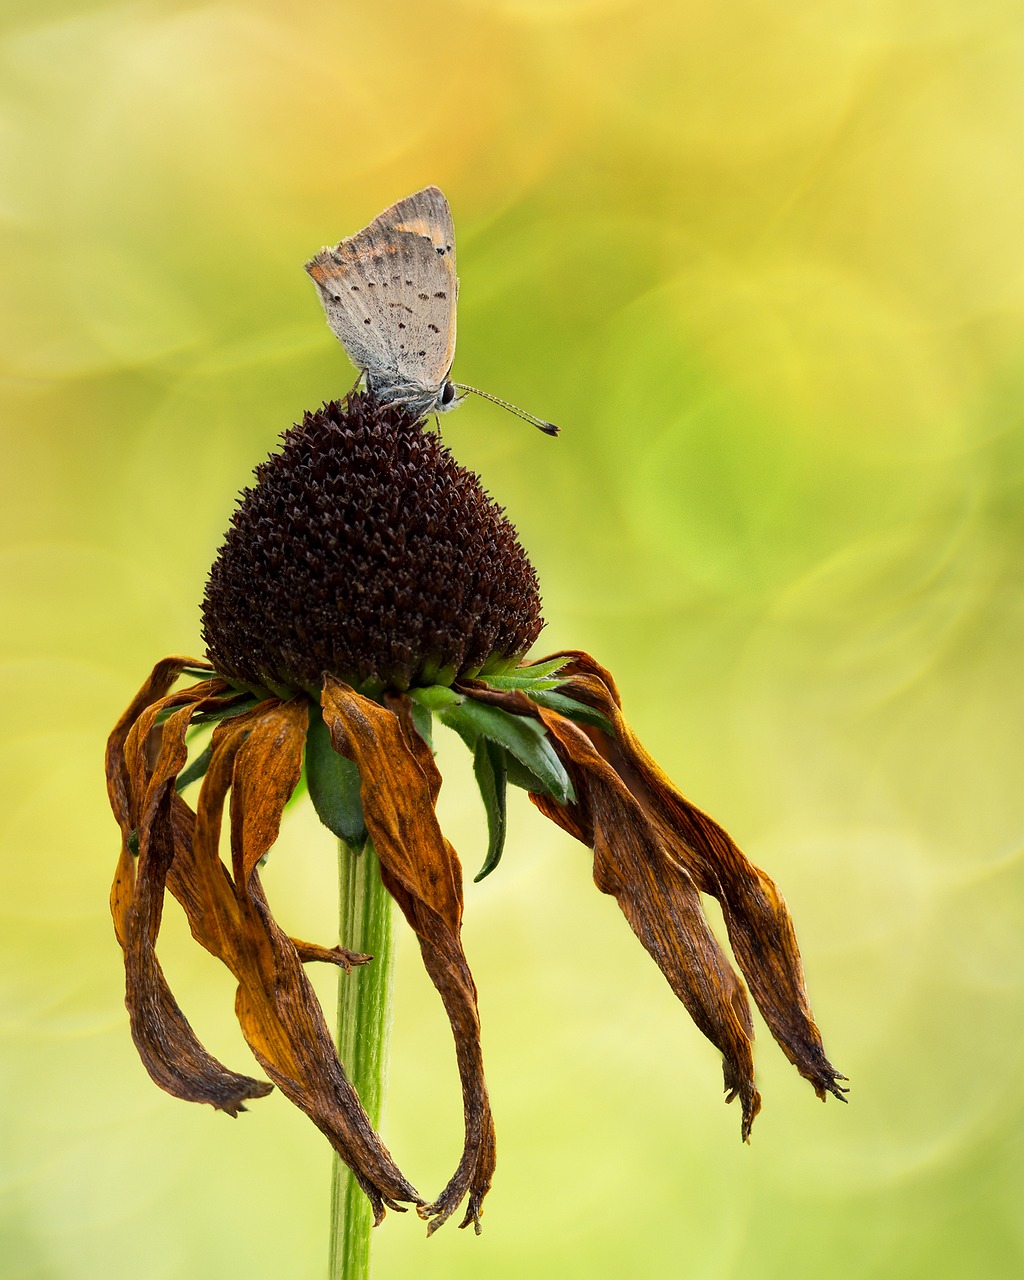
660, 901
341, 956
160, 680
170, 1050
420, 869
760, 929
257, 755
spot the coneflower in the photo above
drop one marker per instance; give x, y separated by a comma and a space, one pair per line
367, 587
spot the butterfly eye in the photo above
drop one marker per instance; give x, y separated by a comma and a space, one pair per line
447, 393
336, 297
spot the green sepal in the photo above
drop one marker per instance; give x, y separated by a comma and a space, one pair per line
571, 709
519, 776
423, 719
223, 713
194, 770
435, 697
490, 770
200, 673
522, 737
538, 676
434, 672
333, 782
201, 718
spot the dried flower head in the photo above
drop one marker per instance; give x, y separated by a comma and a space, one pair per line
367, 587
365, 550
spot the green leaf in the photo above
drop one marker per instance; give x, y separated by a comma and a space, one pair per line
571, 709
333, 782
490, 770
522, 737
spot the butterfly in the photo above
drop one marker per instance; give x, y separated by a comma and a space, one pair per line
390, 293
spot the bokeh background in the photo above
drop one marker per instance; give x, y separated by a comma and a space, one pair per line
764, 263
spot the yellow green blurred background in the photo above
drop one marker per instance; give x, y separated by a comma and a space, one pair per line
764, 262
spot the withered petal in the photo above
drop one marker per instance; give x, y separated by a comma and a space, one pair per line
266, 772
155, 688
309, 952
759, 925
277, 1008
660, 902
403, 799
422, 873
169, 1048
401, 706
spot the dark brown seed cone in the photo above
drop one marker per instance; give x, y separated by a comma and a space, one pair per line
366, 551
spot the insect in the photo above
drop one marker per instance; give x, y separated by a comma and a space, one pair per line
389, 293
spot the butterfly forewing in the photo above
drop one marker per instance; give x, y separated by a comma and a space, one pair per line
390, 292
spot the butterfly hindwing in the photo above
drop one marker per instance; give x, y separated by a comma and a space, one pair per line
390, 293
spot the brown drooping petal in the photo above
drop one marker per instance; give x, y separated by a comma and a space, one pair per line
422, 872
659, 900
143, 801
341, 956
258, 753
258, 756
155, 688
760, 928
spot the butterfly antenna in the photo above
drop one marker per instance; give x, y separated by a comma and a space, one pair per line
548, 428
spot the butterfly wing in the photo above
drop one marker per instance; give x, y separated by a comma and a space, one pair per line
390, 292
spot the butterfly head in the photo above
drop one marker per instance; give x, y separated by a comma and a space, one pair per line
418, 400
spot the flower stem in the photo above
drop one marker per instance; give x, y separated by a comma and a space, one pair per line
364, 1029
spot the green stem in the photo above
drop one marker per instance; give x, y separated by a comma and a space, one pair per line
364, 1029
